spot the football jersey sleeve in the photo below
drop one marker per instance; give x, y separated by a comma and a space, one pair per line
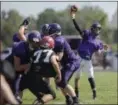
85, 34
99, 46
15, 38
16, 51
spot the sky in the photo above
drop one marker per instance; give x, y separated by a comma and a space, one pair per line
34, 8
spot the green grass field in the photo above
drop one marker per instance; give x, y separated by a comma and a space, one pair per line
106, 83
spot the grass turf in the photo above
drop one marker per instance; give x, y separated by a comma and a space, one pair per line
106, 83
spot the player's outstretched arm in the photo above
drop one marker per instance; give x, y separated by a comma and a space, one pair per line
22, 29
56, 67
73, 14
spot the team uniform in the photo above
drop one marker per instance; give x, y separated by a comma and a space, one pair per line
69, 62
86, 48
7, 54
41, 67
21, 50
41, 63
16, 38
8, 61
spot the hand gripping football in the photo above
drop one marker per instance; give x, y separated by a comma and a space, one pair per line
74, 8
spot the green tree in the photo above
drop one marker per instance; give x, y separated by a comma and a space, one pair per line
10, 24
47, 16
85, 17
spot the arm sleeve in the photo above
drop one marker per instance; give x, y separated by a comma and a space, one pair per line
100, 46
77, 27
15, 38
16, 52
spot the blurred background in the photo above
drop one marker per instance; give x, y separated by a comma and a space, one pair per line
13, 13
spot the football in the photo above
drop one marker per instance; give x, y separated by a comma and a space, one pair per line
74, 8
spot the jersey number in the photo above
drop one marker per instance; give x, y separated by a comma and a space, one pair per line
38, 55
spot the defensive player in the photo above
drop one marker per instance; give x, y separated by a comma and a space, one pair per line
86, 48
44, 64
69, 62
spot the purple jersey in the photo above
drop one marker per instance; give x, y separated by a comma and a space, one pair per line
89, 45
21, 50
61, 45
16, 38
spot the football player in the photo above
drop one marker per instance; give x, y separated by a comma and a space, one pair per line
44, 64
69, 62
89, 44
21, 53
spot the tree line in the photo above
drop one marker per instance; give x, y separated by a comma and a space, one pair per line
10, 21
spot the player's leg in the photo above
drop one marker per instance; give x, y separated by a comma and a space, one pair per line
6, 91
91, 78
41, 89
62, 85
69, 89
77, 78
68, 98
48, 91
77, 84
20, 85
67, 73
43, 99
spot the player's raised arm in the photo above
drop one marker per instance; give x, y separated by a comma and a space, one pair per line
22, 29
73, 14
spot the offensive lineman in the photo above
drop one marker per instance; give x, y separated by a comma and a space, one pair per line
44, 64
68, 60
